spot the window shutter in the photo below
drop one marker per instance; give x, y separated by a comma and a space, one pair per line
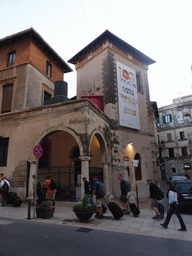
7, 98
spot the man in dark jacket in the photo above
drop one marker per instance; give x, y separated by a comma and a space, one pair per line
153, 195
124, 199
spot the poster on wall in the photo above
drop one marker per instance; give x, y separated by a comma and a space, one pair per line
127, 97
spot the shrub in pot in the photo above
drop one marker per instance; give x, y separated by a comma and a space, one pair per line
84, 210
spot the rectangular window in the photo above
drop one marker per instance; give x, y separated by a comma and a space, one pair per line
3, 151
139, 86
173, 169
184, 151
48, 69
171, 152
7, 98
182, 135
11, 59
169, 137
167, 119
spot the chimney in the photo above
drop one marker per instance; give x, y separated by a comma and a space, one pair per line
60, 93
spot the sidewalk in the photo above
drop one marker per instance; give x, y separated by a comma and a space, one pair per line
142, 225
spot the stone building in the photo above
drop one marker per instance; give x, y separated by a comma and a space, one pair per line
107, 129
174, 131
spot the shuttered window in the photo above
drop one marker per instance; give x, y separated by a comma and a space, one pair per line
7, 98
167, 119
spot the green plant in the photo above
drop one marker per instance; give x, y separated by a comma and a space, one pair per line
85, 205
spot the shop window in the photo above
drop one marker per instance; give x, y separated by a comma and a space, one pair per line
7, 98
11, 59
184, 151
171, 152
3, 151
48, 69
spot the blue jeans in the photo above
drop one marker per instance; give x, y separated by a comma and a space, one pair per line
174, 209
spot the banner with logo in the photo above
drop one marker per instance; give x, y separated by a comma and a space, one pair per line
127, 97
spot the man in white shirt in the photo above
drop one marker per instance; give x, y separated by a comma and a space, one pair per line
173, 208
5, 185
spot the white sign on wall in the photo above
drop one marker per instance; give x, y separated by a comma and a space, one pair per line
127, 97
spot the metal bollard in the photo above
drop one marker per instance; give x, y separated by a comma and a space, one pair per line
29, 210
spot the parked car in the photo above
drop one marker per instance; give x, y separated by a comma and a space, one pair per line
173, 178
184, 191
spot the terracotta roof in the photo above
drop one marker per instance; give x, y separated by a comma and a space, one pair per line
32, 34
116, 41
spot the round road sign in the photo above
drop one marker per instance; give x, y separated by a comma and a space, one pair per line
38, 151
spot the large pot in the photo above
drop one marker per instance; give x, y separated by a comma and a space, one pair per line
44, 213
84, 216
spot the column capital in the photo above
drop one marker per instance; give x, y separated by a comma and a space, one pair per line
84, 158
32, 161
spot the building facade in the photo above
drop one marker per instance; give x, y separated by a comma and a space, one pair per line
174, 131
106, 130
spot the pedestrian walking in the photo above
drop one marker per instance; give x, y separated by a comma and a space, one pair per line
153, 195
88, 189
97, 191
173, 208
51, 189
1, 176
5, 185
124, 195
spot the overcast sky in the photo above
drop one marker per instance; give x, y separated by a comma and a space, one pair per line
161, 29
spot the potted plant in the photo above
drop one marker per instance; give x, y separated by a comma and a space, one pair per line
45, 210
85, 209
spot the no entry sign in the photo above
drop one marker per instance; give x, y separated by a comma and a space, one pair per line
38, 151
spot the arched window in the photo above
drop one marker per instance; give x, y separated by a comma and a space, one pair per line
138, 169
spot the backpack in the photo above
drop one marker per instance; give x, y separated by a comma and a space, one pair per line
160, 194
53, 184
128, 185
102, 189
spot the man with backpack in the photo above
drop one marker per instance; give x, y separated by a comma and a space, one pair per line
5, 185
154, 195
125, 188
99, 192
50, 184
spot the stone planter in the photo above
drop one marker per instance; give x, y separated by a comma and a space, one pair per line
84, 216
44, 213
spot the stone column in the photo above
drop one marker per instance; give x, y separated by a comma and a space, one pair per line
84, 171
106, 176
31, 173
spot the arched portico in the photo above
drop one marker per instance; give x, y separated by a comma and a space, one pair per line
99, 162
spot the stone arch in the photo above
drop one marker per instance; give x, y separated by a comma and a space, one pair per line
54, 129
102, 142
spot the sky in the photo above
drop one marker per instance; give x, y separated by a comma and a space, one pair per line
159, 29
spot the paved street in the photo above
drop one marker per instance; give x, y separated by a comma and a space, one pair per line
23, 238
142, 225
